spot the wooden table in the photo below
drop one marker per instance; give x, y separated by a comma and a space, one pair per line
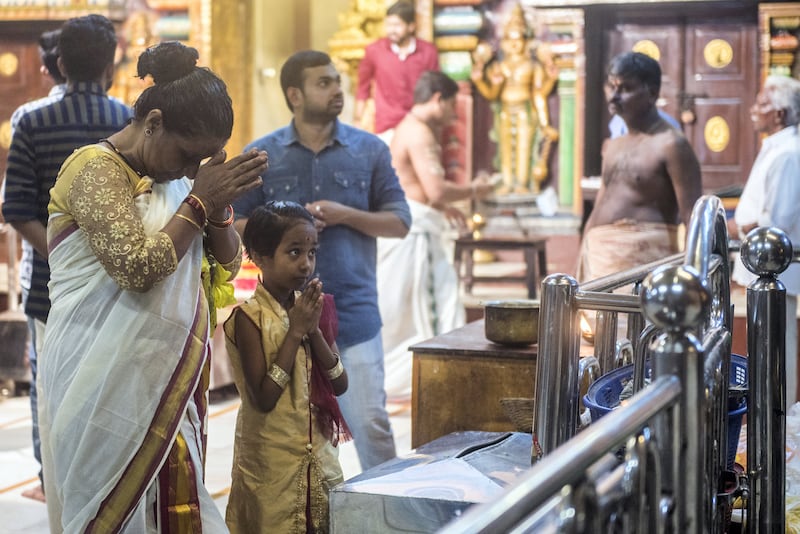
533, 248
458, 379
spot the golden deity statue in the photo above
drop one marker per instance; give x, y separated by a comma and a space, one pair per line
519, 82
137, 37
361, 24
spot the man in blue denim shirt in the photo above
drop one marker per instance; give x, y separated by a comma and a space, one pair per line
344, 176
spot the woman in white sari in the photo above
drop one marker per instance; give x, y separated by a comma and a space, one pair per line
124, 369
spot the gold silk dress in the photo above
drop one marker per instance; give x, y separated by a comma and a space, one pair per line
282, 464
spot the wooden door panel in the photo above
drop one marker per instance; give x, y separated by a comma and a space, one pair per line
20, 82
718, 141
16, 58
721, 76
717, 52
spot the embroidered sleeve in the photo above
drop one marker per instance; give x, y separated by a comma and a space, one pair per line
102, 204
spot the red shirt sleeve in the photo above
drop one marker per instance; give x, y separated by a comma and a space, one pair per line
366, 73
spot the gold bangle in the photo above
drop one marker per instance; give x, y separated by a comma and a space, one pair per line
278, 375
198, 209
222, 224
187, 219
202, 204
337, 370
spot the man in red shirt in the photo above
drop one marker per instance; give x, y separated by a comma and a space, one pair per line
393, 63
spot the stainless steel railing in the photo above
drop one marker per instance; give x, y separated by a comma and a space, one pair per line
570, 462
563, 300
672, 477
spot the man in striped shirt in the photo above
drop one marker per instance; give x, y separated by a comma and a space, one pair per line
45, 136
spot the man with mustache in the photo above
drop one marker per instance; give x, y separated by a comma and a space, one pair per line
344, 177
650, 177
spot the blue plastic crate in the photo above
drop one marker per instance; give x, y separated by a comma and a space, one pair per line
603, 396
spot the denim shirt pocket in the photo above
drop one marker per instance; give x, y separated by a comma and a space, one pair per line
352, 188
281, 188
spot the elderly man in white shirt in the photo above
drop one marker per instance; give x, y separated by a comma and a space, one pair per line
771, 196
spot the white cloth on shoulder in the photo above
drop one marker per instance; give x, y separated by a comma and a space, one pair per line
114, 363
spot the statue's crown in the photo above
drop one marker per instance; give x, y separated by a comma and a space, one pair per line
516, 25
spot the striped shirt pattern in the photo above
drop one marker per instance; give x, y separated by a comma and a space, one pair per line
26, 263
43, 139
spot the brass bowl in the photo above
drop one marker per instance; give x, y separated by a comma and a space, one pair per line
512, 322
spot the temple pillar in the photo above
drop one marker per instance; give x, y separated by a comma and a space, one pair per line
566, 137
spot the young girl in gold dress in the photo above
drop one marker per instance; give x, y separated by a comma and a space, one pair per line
288, 372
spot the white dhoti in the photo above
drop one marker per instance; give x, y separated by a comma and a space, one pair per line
417, 293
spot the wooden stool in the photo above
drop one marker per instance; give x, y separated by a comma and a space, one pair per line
533, 248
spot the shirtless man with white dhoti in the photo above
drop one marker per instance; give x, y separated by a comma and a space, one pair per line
651, 177
417, 285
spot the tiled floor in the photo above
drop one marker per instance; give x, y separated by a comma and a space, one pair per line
18, 468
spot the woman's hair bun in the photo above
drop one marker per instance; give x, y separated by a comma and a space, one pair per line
167, 61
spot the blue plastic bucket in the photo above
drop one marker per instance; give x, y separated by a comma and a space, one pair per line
603, 396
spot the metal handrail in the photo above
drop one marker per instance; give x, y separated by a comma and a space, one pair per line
630, 276
690, 305
569, 462
556, 410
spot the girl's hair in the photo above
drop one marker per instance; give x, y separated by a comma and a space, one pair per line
267, 224
194, 101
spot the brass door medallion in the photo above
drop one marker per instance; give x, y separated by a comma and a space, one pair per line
718, 53
648, 48
717, 134
5, 135
8, 64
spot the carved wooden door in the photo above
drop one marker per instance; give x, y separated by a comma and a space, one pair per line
720, 85
709, 80
20, 79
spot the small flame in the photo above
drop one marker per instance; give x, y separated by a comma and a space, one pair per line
586, 329
476, 223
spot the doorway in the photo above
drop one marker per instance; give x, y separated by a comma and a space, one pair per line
709, 62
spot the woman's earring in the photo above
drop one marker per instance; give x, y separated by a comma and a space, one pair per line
148, 132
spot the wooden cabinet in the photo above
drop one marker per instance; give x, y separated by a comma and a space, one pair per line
458, 379
779, 32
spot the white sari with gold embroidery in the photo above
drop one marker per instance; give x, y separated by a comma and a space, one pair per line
120, 369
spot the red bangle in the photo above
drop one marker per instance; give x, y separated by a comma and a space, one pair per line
222, 224
198, 209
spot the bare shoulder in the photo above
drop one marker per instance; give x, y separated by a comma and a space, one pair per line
412, 133
675, 136
678, 153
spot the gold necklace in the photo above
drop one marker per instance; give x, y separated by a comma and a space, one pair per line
121, 155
